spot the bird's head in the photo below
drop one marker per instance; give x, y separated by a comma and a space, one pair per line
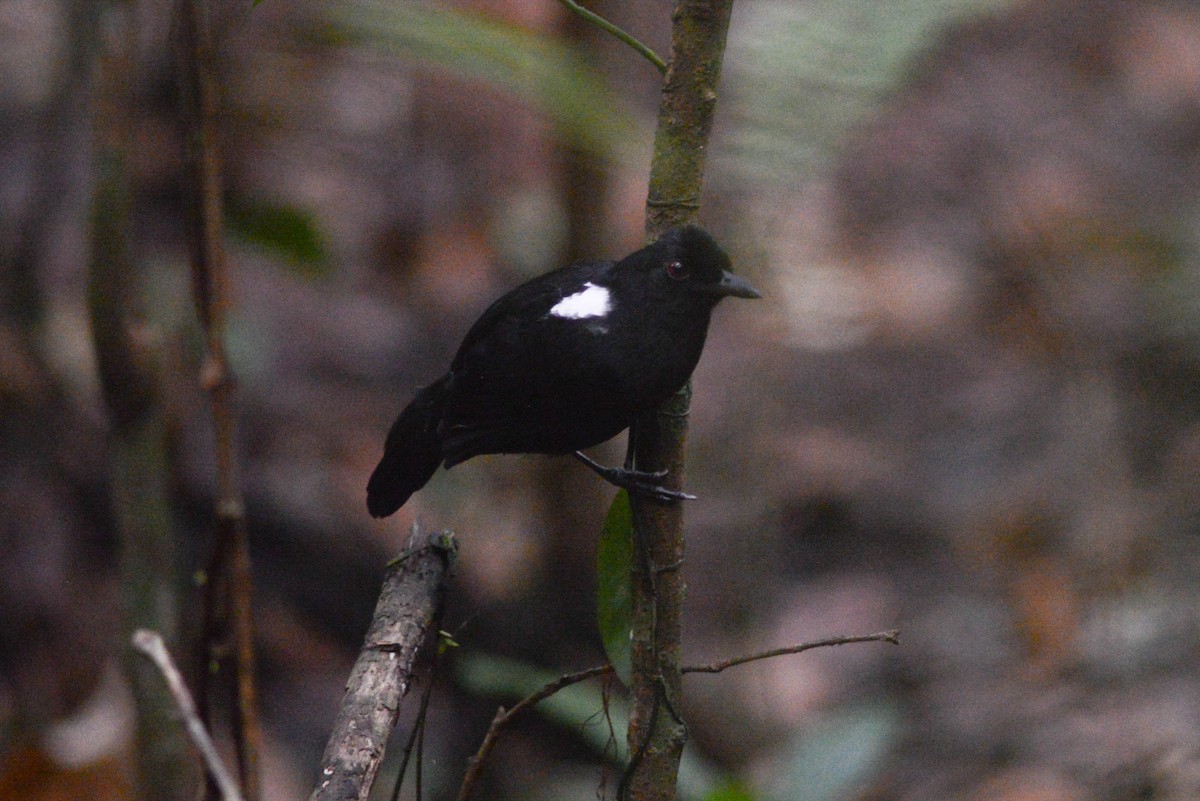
686, 258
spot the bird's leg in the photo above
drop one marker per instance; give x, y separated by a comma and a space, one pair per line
636, 481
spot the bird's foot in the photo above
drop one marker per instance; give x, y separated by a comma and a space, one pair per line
643, 483
640, 482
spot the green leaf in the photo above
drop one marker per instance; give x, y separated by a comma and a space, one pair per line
614, 593
287, 232
729, 790
537, 68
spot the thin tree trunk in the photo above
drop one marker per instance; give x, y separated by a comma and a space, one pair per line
129, 377
657, 733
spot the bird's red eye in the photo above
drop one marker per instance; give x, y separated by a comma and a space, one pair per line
677, 270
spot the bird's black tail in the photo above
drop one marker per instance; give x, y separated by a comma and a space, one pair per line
411, 455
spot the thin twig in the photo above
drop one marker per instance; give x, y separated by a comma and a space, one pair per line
418, 723
892, 636
504, 717
150, 644
418, 788
604, 25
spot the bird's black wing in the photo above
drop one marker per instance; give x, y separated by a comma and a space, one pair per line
522, 377
520, 307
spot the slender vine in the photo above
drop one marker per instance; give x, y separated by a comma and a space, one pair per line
606, 26
228, 624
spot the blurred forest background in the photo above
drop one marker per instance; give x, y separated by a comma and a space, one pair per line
968, 407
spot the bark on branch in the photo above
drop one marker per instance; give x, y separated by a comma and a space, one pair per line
409, 603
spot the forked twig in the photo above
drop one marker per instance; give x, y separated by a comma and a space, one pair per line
505, 716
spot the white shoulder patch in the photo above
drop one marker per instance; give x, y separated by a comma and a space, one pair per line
591, 301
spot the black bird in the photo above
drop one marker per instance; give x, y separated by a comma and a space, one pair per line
565, 362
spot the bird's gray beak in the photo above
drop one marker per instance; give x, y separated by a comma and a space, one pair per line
731, 285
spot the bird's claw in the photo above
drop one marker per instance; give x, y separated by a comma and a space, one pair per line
637, 482
662, 493
646, 484
646, 476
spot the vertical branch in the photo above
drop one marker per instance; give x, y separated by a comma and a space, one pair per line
685, 113
129, 378
656, 731
228, 591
